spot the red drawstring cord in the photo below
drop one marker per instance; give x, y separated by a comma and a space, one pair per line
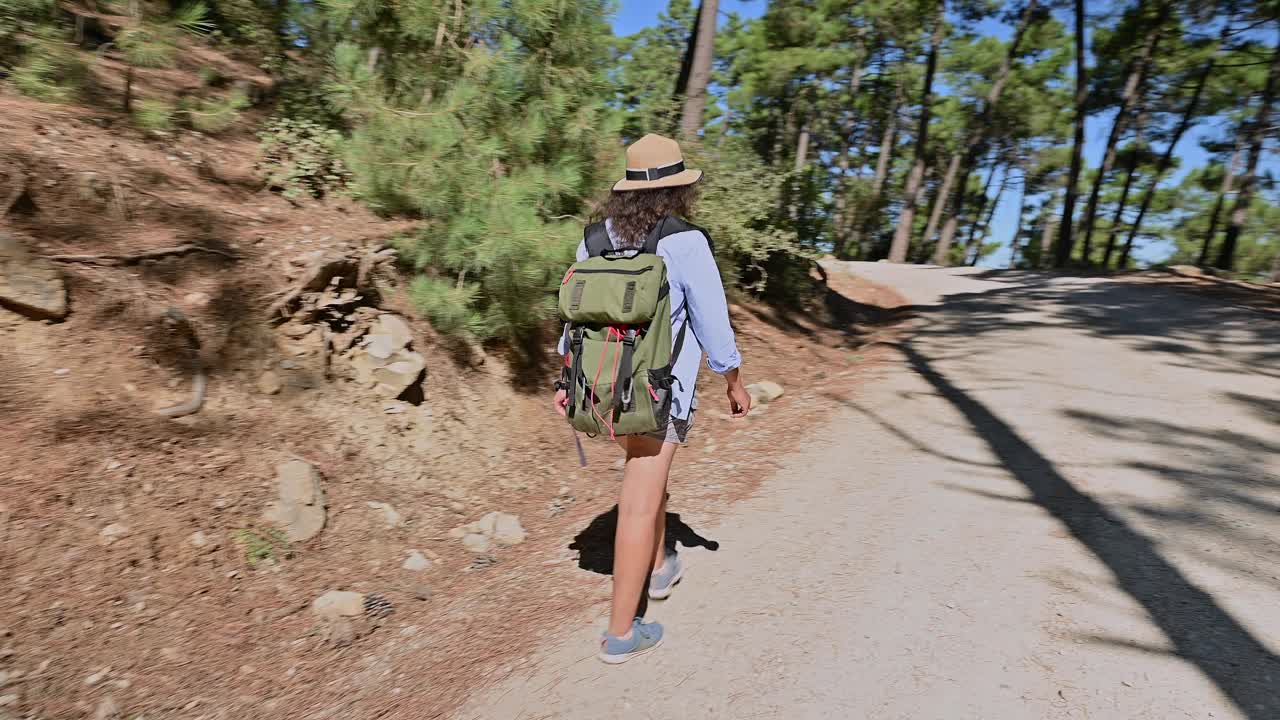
613, 332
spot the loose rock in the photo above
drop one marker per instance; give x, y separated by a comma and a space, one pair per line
300, 509
475, 542
508, 530
763, 393
113, 532
384, 359
29, 284
390, 517
269, 383
416, 562
338, 604
108, 709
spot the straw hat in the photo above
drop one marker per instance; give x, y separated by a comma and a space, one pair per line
655, 162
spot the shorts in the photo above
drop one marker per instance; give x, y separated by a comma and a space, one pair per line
676, 432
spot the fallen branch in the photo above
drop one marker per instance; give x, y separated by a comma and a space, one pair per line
134, 259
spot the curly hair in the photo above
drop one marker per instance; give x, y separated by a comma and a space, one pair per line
634, 213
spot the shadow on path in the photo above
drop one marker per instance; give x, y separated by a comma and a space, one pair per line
1200, 630
595, 543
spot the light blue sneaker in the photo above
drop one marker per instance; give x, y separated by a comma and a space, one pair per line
664, 580
644, 637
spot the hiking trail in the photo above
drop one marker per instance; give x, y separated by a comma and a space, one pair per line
1056, 499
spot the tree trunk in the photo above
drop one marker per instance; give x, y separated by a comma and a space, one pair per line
942, 253
1257, 136
1135, 80
1188, 116
902, 234
1228, 176
802, 148
978, 231
695, 101
1017, 228
842, 200
686, 63
941, 199
978, 130
1063, 255
867, 209
1046, 239
1139, 126
887, 141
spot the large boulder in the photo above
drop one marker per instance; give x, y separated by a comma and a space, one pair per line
29, 284
300, 510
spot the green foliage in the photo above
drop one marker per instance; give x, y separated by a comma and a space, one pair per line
214, 115
261, 546
17, 19
302, 158
495, 145
50, 68
154, 115
155, 43
211, 76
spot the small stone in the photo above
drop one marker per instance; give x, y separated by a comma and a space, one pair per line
475, 542
248, 670
197, 299
390, 517
765, 392
112, 533
300, 509
457, 507
29, 284
7, 700
198, 539
62, 372
114, 465
338, 604
288, 365
416, 562
507, 530
107, 709
96, 679
342, 633
269, 383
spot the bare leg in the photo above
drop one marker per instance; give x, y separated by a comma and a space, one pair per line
644, 487
660, 532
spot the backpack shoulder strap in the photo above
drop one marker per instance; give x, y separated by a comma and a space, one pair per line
669, 226
596, 237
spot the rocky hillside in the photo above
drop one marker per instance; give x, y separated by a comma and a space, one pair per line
242, 479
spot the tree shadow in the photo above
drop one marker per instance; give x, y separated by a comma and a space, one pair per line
1200, 631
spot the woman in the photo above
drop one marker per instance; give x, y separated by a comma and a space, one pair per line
658, 188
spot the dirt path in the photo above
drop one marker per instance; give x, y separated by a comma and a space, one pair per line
1061, 499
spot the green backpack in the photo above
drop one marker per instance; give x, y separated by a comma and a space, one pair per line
617, 307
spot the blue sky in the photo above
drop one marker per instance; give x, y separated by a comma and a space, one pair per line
634, 15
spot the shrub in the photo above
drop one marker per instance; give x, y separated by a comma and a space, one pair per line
153, 115
215, 115
302, 158
51, 69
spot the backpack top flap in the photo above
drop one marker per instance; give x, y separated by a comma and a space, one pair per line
614, 290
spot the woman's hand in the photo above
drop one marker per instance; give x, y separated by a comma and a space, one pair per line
739, 398
562, 402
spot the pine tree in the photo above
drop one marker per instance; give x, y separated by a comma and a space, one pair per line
488, 122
